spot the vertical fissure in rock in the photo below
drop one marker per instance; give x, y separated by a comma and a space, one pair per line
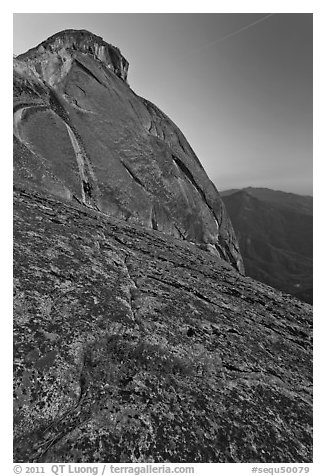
86, 174
154, 219
184, 169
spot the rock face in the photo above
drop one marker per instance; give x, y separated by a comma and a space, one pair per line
131, 344
275, 233
81, 133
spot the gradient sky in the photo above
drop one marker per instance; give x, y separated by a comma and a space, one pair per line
239, 86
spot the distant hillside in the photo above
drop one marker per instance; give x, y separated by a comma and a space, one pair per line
292, 201
275, 232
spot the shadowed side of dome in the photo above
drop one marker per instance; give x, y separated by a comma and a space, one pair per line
89, 137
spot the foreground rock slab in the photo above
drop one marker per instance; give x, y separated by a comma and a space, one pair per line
134, 346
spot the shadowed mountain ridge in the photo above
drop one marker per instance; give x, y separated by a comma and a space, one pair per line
275, 232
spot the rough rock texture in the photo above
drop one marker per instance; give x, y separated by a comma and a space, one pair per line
132, 346
50, 55
275, 233
81, 133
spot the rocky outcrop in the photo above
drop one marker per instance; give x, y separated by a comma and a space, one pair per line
58, 51
132, 346
81, 133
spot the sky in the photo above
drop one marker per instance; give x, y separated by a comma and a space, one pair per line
239, 86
